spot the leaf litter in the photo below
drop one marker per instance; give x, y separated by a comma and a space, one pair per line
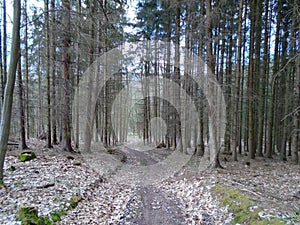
50, 180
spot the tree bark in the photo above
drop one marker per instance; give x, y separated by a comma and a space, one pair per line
46, 5
8, 95
66, 78
53, 72
23, 144
296, 118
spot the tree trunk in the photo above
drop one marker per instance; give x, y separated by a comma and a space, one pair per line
53, 72
251, 84
4, 47
214, 151
46, 3
296, 118
66, 77
236, 121
264, 76
8, 95
27, 72
21, 107
270, 139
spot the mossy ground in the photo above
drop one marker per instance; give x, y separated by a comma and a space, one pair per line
29, 215
242, 207
26, 155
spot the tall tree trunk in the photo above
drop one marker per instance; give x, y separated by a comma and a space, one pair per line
214, 151
66, 77
23, 144
178, 135
296, 118
236, 121
4, 47
251, 146
26, 71
46, 5
285, 82
264, 76
53, 72
270, 140
78, 75
200, 149
8, 95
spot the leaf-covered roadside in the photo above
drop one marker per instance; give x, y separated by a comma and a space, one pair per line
50, 180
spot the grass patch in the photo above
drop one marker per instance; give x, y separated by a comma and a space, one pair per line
240, 204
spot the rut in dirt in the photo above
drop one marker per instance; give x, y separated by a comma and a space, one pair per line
149, 205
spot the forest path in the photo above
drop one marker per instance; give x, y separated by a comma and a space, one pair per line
149, 205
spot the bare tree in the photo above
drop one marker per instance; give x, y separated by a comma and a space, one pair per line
8, 95
66, 107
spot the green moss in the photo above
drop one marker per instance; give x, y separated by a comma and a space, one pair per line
143, 162
18, 183
29, 216
26, 155
56, 215
73, 202
240, 204
46, 221
76, 163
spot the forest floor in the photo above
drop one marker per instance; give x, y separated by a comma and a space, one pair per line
268, 189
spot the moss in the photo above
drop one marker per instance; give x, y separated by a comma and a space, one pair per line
47, 221
56, 215
18, 183
240, 204
76, 163
2, 183
29, 216
26, 156
143, 162
73, 202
